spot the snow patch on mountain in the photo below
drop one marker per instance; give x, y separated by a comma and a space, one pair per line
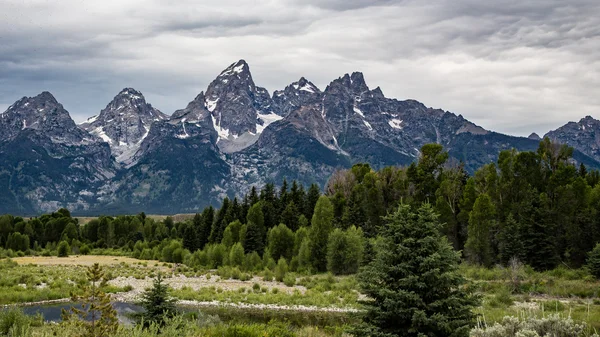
395, 123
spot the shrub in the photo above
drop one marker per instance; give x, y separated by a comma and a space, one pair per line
13, 322
267, 275
289, 280
281, 269
552, 325
63, 249
84, 249
593, 261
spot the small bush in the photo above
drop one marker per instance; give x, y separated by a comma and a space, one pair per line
63, 249
281, 269
553, 325
267, 275
289, 280
256, 287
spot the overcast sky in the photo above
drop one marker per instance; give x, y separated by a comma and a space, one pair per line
512, 66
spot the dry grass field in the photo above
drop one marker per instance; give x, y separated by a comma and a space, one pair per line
85, 260
177, 217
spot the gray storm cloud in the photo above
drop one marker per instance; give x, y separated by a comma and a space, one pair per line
510, 66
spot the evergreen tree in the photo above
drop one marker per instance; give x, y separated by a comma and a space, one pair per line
312, 196
220, 222
254, 240
97, 317
208, 216
190, 241
289, 216
321, 226
157, 304
511, 242
414, 285
253, 196
593, 261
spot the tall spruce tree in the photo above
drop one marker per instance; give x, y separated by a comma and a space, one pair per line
413, 283
254, 238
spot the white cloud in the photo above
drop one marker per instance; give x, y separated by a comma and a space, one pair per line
510, 66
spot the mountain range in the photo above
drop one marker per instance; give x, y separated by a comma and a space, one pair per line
131, 157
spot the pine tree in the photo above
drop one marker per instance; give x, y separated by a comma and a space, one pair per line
190, 241
321, 226
95, 306
157, 303
208, 216
414, 285
311, 200
289, 216
511, 241
221, 221
593, 261
254, 240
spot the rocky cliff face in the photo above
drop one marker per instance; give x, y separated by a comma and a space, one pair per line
124, 123
46, 161
583, 136
178, 167
240, 110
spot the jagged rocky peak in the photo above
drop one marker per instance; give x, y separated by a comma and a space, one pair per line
240, 110
584, 136
295, 95
43, 113
124, 123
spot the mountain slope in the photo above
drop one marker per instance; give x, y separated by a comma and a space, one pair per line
178, 167
124, 123
46, 161
583, 136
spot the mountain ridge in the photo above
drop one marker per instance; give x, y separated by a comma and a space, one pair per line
132, 157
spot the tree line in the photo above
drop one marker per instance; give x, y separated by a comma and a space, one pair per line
537, 206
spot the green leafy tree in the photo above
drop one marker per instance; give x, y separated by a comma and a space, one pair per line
345, 251
479, 243
236, 255
281, 242
97, 317
63, 249
158, 305
321, 226
413, 283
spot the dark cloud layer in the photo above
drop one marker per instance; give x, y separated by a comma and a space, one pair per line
512, 66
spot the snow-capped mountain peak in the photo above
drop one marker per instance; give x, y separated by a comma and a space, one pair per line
124, 123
